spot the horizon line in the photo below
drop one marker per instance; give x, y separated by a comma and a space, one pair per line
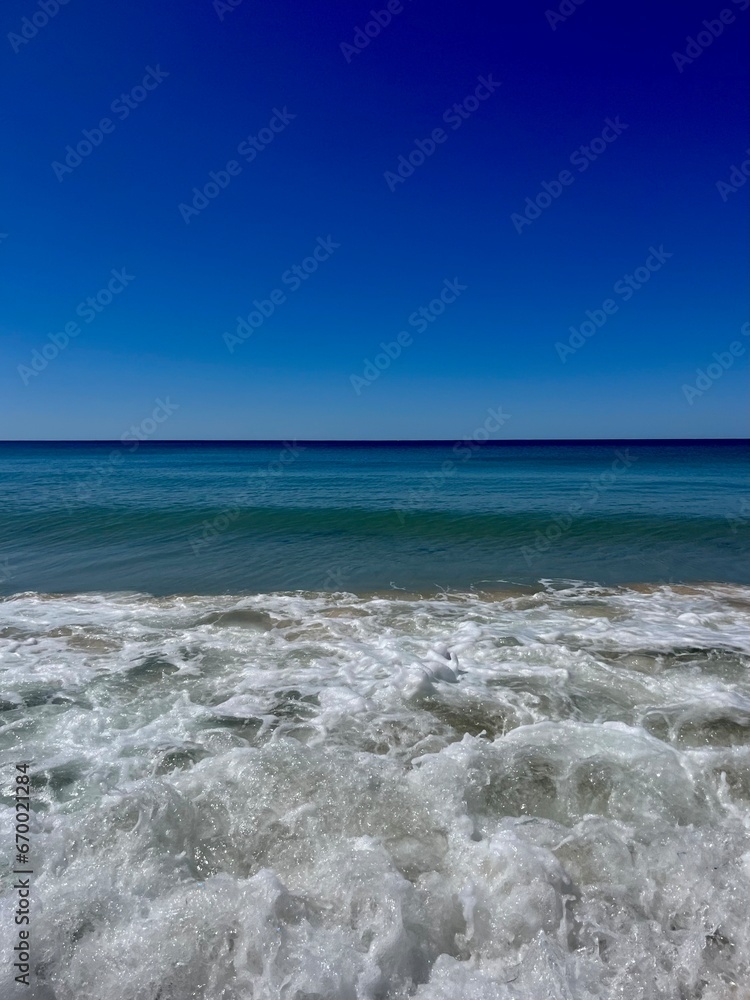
369, 441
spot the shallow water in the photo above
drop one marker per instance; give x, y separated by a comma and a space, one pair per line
530, 793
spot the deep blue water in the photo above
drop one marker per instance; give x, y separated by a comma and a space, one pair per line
199, 517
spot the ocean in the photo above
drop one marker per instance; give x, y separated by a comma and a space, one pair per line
202, 518
309, 721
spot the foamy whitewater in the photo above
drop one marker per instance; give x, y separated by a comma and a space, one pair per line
526, 794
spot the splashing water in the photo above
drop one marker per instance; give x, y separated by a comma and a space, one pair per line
523, 795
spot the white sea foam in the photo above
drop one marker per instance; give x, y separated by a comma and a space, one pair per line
517, 796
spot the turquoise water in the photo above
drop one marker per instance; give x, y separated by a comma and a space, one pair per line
203, 518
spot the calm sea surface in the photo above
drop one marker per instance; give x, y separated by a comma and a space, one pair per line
198, 519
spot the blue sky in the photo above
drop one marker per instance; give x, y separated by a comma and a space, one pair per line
183, 86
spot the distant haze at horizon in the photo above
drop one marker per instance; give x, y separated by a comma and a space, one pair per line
313, 442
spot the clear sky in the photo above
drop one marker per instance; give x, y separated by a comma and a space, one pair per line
318, 124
